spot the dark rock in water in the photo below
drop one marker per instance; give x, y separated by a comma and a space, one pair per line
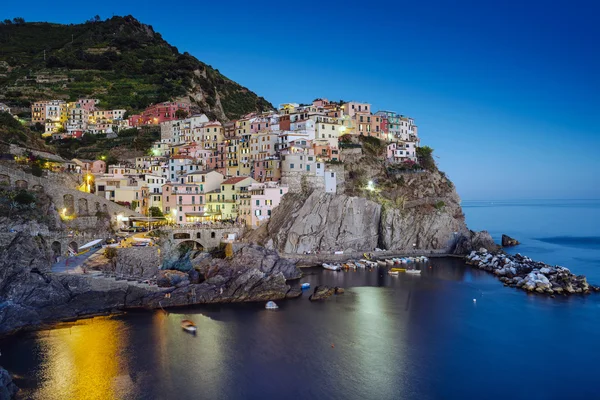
8, 389
321, 293
339, 290
293, 293
507, 241
474, 241
170, 277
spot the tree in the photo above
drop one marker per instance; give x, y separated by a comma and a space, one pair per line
155, 212
111, 254
18, 21
36, 169
181, 114
425, 158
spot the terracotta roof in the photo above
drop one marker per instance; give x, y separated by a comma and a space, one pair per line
233, 181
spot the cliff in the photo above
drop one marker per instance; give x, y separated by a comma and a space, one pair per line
121, 61
400, 209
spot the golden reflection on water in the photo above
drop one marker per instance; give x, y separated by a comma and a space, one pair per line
85, 361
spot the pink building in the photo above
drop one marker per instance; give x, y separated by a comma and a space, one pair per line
258, 202
183, 203
88, 104
157, 113
218, 159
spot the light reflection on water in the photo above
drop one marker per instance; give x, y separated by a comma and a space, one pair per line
404, 337
85, 361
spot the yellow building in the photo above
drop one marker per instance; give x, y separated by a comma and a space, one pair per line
226, 199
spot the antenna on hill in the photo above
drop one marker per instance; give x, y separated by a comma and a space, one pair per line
44, 54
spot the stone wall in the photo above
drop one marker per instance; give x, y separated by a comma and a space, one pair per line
74, 201
138, 262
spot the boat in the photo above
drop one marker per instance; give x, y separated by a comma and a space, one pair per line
271, 305
305, 285
389, 262
381, 263
393, 272
188, 326
413, 271
331, 267
398, 269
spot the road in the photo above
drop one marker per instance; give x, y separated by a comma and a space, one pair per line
72, 264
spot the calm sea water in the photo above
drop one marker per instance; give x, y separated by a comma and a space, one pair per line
405, 337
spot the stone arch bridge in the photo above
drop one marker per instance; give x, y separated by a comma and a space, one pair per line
203, 237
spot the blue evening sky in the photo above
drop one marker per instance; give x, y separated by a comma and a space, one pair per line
506, 92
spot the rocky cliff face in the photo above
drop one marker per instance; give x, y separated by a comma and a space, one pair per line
324, 222
7, 388
423, 214
30, 297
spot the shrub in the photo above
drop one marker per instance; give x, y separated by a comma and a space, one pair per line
425, 158
24, 198
439, 205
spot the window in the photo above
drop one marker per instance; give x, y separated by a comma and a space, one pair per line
180, 199
212, 235
332, 174
180, 208
258, 202
291, 166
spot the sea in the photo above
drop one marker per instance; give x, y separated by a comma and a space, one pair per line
452, 333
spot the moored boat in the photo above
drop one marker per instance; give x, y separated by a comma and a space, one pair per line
305, 285
188, 326
398, 269
393, 272
413, 271
331, 267
271, 305
381, 263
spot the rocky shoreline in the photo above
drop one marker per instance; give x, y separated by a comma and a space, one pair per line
522, 272
7, 387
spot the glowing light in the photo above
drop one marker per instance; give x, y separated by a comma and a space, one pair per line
371, 186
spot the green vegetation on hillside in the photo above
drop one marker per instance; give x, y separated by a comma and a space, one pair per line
125, 145
14, 132
120, 61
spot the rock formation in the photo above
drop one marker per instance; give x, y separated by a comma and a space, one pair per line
474, 241
507, 241
30, 297
7, 388
524, 273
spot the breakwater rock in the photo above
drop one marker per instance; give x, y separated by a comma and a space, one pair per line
532, 276
8, 389
507, 241
323, 292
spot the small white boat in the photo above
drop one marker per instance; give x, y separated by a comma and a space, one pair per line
305, 285
413, 271
271, 305
381, 263
394, 272
331, 267
188, 326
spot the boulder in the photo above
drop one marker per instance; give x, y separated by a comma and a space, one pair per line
339, 290
507, 241
472, 240
8, 389
321, 293
171, 277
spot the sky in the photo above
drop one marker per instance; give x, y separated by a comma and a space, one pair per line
506, 92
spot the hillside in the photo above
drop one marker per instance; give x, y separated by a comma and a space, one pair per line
13, 132
124, 63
